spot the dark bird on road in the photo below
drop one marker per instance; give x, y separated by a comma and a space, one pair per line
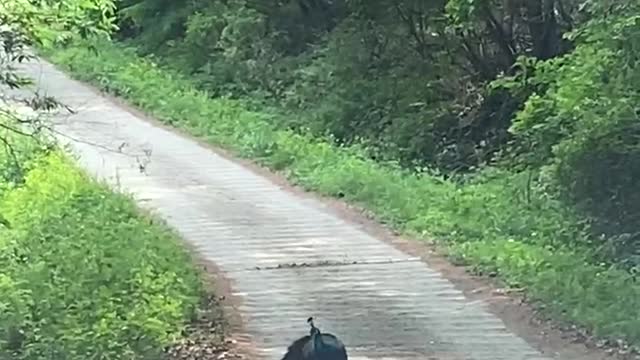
316, 346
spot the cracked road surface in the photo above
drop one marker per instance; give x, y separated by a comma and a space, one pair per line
382, 302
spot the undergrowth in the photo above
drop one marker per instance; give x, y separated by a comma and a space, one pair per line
85, 275
499, 222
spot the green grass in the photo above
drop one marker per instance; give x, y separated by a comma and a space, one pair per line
529, 240
83, 274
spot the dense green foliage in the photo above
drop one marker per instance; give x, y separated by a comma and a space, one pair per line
540, 86
584, 129
84, 274
43, 22
499, 222
408, 76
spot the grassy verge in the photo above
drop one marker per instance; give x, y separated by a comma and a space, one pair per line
497, 223
83, 274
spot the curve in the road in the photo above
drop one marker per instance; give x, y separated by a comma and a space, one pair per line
382, 302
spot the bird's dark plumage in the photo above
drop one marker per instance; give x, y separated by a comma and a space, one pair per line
316, 346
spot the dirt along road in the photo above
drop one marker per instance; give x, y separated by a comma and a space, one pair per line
286, 256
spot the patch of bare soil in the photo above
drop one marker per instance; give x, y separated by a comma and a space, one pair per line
206, 337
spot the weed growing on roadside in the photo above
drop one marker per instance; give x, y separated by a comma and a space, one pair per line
84, 274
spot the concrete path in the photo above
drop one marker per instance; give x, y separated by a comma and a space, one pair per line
383, 303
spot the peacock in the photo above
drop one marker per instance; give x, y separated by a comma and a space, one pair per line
316, 346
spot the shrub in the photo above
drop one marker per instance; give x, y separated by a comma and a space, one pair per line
583, 127
84, 274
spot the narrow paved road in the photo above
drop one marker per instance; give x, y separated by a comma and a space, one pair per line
382, 302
